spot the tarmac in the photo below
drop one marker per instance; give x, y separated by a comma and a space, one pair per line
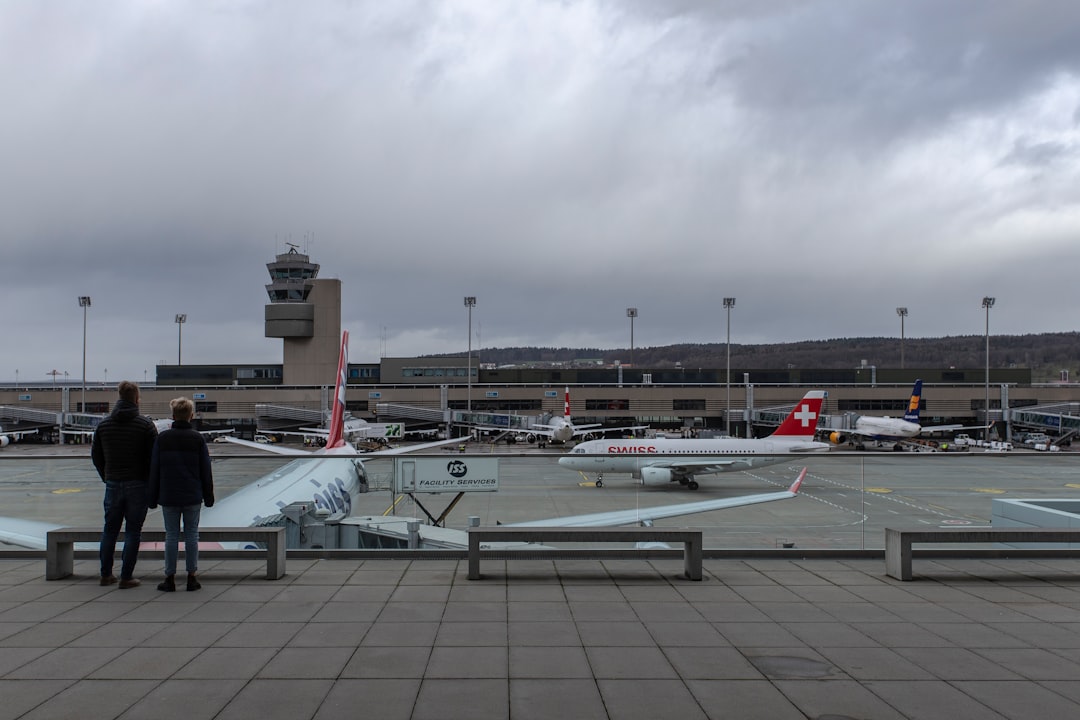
757, 638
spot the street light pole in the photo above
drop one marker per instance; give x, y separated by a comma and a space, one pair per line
987, 303
729, 302
84, 302
470, 303
902, 312
631, 313
181, 318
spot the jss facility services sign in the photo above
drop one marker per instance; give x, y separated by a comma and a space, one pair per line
439, 475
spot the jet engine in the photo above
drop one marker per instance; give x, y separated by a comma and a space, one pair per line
656, 475
4, 441
838, 438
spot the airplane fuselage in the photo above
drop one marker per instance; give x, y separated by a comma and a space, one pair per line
886, 428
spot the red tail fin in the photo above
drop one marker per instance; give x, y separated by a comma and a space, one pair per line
336, 437
803, 419
566, 407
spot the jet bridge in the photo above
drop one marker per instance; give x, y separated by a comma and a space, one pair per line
1060, 419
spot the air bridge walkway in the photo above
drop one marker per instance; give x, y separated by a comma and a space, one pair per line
1060, 419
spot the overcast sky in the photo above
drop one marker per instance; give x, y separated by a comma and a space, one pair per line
823, 162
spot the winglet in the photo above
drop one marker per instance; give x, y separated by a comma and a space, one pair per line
336, 438
798, 482
803, 418
912, 414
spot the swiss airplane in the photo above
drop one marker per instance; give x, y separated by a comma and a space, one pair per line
6, 438
680, 460
329, 476
562, 429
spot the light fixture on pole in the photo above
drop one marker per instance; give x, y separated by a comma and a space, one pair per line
181, 318
631, 313
84, 302
470, 302
729, 302
987, 302
902, 312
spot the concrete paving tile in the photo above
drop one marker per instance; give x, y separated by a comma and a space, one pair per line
399, 612
14, 658
49, 634
824, 595
524, 593
718, 663
525, 611
402, 633
743, 699
648, 699
707, 592
468, 662
472, 634
756, 634
93, 612
277, 698
363, 594
837, 698
602, 611
685, 634
37, 611
1042, 634
251, 592
766, 593
788, 612
474, 612
214, 663
7, 629
860, 612
720, 612
433, 578
1047, 612
629, 662
794, 663
543, 633
21, 696
336, 612
307, 662
473, 592
273, 612
930, 700
260, 634
421, 594
387, 662
874, 663
652, 592
1021, 700
923, 612
615, 634
159, 611
66, 663
377, 577
660, 611
549, 662
324, 634
832, 634
975, 635
145, 663
900, 634
542, 699
385, 699
462, 699
190, 634
306, 594
222, 612
185, 700
119, 634
107, 698
1032, 663
956, 664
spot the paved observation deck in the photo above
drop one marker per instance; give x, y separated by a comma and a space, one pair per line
758, 638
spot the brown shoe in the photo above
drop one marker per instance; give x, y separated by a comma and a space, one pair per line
129, 583
108, 580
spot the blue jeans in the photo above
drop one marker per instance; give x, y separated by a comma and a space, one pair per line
125, 505
172, 515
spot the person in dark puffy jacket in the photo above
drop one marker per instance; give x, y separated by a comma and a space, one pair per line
181, 481
123, 443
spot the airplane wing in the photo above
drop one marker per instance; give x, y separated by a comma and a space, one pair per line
697, 467
276, 449
25, 533
281, 450
645, 515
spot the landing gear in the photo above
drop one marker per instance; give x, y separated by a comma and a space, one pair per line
692, 484
600, 480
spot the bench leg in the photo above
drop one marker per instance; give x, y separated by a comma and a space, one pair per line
692, 553
59, 559
474, 557
275, 557
897, 555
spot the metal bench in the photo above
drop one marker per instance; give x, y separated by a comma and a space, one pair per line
60, 545
898, 542
691, 539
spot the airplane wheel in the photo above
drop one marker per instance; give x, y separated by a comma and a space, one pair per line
599, 483
692, 485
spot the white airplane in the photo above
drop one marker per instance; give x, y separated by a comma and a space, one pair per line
326, 477
562, 429
6, 438
887, 429
679, 460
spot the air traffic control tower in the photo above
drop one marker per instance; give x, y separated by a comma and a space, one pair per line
305, 312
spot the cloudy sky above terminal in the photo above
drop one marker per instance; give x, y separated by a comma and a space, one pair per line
824, 162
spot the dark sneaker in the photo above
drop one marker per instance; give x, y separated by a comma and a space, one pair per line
108, 580
169, 584
129, 583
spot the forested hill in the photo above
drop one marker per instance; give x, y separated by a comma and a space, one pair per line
1046, 354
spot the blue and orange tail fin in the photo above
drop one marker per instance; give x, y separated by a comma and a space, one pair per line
336, 436
803, 419
912, 414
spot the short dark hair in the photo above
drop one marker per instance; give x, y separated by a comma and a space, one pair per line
128, 391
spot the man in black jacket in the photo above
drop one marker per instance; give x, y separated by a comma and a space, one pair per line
123, 443
182, 481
